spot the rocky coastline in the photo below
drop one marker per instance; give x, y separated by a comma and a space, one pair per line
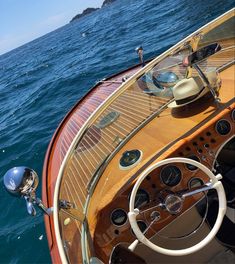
90, 10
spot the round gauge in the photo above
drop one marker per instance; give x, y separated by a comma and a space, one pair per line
170, 175
195, 182
108, 119
223, 127
142, 226
233, 115
192, 167
142, 198
119, 217
130, 157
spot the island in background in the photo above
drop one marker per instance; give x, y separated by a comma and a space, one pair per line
91, 10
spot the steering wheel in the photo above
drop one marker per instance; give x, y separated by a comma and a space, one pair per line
178, 200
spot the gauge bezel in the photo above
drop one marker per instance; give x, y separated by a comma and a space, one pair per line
141, 189
192, 179
216, 129
138, 221
131, 165
168, 184
126, 217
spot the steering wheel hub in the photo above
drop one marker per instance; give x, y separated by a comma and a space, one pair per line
173, 203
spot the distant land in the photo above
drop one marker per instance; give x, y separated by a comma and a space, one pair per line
91, 10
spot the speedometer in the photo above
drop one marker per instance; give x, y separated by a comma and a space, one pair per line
170, 175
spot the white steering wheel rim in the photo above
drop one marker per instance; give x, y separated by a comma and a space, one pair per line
217, 185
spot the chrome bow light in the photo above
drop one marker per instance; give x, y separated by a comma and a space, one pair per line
23, 182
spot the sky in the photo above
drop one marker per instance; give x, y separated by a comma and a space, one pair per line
24, 20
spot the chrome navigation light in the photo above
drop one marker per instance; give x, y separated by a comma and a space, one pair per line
23, 182
20, 181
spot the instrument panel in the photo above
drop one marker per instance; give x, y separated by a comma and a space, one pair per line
201, 146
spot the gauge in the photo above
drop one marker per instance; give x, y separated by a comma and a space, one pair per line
108, 119
142, 226
233, 115
118, 217
195, 182
223, 127
192, 167
170, 175
130, 157
142, 198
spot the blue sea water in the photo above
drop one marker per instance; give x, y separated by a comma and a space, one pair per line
42, 80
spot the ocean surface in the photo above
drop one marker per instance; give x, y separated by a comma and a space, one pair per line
42, 80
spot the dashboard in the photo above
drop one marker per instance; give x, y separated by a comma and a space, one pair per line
203, 146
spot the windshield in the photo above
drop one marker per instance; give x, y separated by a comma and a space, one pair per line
163, 76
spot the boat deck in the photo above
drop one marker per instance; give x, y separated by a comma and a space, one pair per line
93, 181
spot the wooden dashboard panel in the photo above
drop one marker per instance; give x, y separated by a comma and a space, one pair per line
205, 144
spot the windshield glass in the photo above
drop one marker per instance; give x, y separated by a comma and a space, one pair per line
225, 31
163, 76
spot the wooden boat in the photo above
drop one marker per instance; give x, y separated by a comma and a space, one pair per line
142, 169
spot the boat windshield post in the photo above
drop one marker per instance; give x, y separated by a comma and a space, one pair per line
194, 58
140, 53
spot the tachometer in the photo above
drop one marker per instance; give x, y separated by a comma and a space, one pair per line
170, 175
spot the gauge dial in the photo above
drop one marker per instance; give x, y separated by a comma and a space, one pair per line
142, 226
142, 198
223, 127
192, 167
130, 157
170, 175
118, 217
195, 182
